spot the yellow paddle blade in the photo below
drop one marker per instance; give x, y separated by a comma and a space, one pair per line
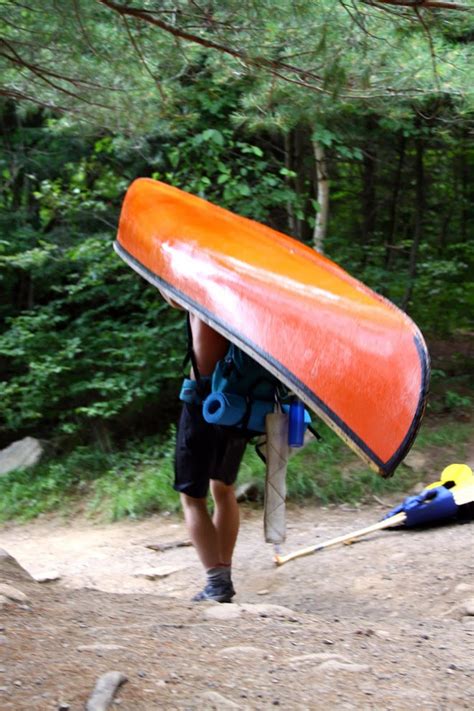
455, 475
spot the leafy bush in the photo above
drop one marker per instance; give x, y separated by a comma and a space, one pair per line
103, 344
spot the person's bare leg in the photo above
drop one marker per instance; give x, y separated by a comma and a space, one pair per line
204, 536
226, 519
201, 530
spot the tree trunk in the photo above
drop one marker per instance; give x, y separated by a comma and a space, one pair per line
419, 217
289, 181
102, 436
368, 191
393, 219
443, 234
299, 154
464, 171
322, 196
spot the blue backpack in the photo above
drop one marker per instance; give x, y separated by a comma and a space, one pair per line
242, 394
239, 393
239, 374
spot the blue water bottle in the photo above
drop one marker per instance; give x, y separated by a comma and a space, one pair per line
296, 424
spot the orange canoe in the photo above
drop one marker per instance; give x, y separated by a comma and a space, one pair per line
354, 358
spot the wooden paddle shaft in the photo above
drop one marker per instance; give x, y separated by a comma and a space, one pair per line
396, 520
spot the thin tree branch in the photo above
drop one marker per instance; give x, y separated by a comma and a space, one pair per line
87, 40
421, 4
26, 7
43, 72
303, 77
431, 46
142, 59
10, 93
43, 76
260, 62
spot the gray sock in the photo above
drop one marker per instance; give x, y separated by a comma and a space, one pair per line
219, 575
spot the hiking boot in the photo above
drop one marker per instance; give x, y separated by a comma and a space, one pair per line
218, 591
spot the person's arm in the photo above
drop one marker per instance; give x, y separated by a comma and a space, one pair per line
208, 346
170, 301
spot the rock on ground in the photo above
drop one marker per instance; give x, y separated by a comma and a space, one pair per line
22, 454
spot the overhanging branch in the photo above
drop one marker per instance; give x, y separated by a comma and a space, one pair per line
282, 70
260, 62
421, 4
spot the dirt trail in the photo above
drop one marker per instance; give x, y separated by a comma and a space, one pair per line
381, 624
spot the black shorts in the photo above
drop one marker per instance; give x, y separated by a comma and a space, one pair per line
205, 452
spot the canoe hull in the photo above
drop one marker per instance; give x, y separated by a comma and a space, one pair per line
354, 358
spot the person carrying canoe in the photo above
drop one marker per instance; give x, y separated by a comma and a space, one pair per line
208, 457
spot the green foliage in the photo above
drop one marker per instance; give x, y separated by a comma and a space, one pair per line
86, 347
130, 483
443, 297
325, 472
235, 174
455, 401
91, 352
127, 70
55, 485
137, 480
85, 340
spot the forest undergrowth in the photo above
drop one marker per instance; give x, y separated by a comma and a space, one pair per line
136, 480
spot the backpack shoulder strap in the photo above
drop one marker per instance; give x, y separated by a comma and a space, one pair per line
190, 355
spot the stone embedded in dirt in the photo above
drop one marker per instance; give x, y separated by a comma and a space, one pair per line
99, 647
104, 691
12, 593
468, 607
22, 454
213, 700
49, 577
365, 632
268, 610
317, 657
416, 461
222, 612
245, 651
464, 587
336, 665
162, 571
169, 545
4, 601
11, 570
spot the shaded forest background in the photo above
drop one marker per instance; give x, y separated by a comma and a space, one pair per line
348, 126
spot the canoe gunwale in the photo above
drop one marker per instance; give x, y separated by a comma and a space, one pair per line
385, 469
